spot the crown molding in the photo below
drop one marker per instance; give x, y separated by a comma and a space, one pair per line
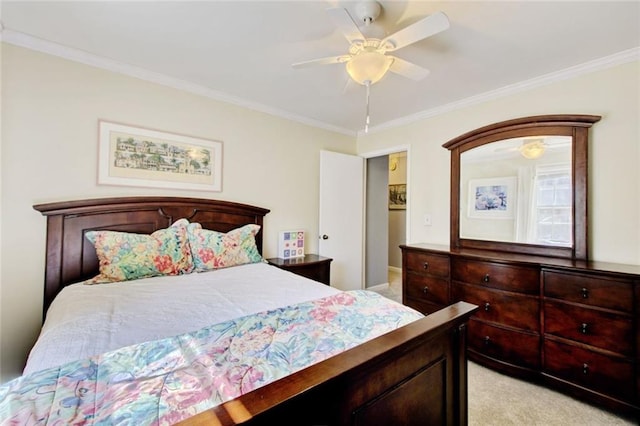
24, 40
27, 41
619, 58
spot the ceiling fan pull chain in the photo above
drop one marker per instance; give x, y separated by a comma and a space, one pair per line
366, 123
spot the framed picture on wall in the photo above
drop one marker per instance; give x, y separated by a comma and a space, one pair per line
136, 156
398, 196
492, 198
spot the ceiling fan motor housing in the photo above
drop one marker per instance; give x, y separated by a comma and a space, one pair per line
368, 11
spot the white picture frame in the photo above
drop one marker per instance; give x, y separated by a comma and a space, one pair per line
137, 156
492, 198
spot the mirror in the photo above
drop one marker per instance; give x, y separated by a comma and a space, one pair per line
518, 190
520, 186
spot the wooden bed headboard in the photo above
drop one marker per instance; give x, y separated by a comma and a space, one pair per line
71, 258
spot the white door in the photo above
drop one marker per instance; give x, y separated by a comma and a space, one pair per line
341, 219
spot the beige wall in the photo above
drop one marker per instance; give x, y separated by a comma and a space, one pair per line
50, 115
614, 163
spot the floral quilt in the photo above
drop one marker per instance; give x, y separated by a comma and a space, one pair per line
168, 380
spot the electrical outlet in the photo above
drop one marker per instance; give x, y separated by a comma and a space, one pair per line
427, 219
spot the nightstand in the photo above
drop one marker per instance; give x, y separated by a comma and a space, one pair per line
312, 266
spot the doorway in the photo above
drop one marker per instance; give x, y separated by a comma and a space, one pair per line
386, 226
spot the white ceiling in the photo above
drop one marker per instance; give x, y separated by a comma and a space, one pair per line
242, 51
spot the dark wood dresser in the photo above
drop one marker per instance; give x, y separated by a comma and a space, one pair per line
573, 325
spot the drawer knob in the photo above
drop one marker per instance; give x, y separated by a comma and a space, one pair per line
485, 279
583, 328
487, 305
585, 368
425, 290
426, 265
585, 293
487, 340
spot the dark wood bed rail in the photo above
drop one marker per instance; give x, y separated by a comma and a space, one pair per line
71, 258
415, 375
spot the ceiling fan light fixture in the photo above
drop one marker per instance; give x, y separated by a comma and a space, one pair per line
533, 149
367, 61
368, 66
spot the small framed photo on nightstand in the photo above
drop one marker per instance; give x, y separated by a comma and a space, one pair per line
291, 244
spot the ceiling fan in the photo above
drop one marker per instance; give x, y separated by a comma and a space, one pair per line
533, 147
367, 60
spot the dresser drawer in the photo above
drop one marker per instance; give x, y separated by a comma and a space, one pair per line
520, 279
589, 290
596, 328
522, 349
511, 309
427, 263
610, 375
430, 289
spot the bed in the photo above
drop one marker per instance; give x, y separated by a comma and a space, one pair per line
413, 372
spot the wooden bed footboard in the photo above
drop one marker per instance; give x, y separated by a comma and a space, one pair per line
416, 375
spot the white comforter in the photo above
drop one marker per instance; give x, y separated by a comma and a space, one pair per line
88, 320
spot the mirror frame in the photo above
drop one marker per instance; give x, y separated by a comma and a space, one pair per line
576, 126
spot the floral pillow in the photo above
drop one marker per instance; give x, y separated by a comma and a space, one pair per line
125, 256
215, 250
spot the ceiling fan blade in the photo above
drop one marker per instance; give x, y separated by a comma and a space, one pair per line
349, 86
345, 24
507, 149
422, 29
323, 61
408, 69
